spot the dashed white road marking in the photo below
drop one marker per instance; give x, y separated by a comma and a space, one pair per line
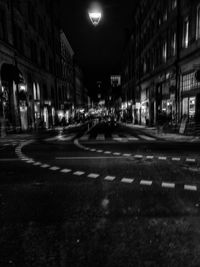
176, 159
45, 165
126, 154
190, 160
99, 151
138, 156
107, 152
78, 173
162, 158
54, 168
93, 175
65, 170
109, 178
127, 180
93, 149
190, 187
116, 154
37, 163
146, 182
149, 157
168, 185
30, 161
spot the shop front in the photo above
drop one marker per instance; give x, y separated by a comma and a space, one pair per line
190, 97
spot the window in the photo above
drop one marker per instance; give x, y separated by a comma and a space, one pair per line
174, 4
173, 44
198, 23
33, 51
164, 52
42, 58
3, 32
189, 82
185, 32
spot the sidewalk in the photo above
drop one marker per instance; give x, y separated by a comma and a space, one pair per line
163, 135
34, 133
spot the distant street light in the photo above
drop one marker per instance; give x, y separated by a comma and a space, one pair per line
95, 14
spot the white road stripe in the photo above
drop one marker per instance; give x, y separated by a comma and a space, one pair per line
126, 155
138, 156
78, 173
54, 168
190, 160
37, 163
162, 158
127, 180
65, 170
150, 157
117, 139
100, 151
30, 161
190, 187
145, 137
93, 149
107, 152
45, 165
176, 159
116, 154
168, 185
145, 182
109, 178
100, 137
93, 175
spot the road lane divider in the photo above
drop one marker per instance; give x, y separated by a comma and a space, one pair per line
168, 185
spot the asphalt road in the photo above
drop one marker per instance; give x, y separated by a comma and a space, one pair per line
110, 196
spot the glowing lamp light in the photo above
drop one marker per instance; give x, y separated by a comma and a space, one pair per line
95, 17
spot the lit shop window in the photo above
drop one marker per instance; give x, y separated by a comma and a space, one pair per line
198, 23
192, 102
188, 106
186, 32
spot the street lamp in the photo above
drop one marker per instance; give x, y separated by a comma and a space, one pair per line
95, 14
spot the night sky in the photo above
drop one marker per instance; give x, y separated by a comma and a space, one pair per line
98, 49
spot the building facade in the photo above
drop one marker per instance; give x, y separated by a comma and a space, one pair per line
30, 63
68, 87
167, 42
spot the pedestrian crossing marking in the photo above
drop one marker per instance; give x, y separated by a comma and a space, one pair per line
78, 173
93, 175
127, 180
109, 178
145, 182
145, 137
54, 168
190, 187
168, 185
65, 170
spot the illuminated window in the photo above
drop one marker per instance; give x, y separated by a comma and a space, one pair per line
189, 82
164, 51
173, 44
198, 23
186, 32
174, 4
